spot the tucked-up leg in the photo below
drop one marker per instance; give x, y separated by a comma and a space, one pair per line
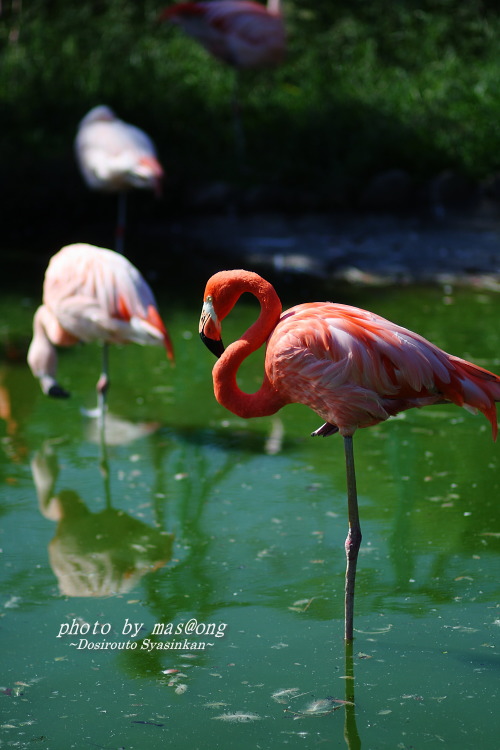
325, 430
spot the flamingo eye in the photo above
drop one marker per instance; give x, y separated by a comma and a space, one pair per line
209, 298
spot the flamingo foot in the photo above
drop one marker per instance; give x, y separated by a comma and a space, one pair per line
56, 391
51, 387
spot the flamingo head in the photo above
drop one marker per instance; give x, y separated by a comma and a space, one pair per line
210, 328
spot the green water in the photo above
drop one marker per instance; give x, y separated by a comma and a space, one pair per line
193, 518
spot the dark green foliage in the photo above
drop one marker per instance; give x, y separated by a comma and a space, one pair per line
367, 85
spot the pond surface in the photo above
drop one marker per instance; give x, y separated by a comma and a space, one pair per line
221, 540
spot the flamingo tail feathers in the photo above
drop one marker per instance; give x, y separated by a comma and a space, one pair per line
476, 389
156, 321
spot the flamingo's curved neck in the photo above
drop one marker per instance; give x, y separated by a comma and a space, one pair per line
266, 400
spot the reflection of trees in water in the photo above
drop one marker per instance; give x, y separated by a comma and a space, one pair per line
201, 460
187, 470
189, 466
445, 520
15, 410
416, 489
198, 461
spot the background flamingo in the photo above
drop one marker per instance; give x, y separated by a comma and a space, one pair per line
241, 33
91, 294
352, 367
113, 157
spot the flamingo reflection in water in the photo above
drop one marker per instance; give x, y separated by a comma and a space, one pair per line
92, 294
95, 554
115, 156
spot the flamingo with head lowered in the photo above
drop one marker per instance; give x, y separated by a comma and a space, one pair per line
114, 156
92, 294
352, 367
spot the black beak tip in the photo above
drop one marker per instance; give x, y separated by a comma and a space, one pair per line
214, 345
55, 391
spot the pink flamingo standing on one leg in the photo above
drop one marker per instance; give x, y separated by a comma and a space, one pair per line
113, 157
352, 367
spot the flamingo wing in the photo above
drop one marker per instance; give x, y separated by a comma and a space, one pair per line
97, 294
355, 368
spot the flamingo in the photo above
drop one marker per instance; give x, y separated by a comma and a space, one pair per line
352, 367
114, 156
241, 33
92, 294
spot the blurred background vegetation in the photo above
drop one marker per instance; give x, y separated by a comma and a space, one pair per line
367, 86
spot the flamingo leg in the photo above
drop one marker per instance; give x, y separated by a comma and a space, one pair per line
121, 222
102, 389
103, 382
353, 540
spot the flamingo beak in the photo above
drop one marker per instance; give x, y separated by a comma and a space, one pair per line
214, 345
210, 330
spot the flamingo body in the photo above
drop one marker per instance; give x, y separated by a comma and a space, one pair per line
352, 367
115, 156
241, 33
355, 368
91, 294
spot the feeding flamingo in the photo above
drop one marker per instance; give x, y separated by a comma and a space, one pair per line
352, 367
92, 294
113, 157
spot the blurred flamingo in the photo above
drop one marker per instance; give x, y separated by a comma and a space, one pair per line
241, 33
113, 157
352, 367
92, 294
